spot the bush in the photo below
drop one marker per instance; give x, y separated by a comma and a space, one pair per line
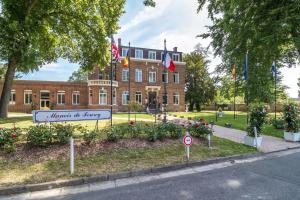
151, 133
182, 117
278, 123
291, 117
161, 131
200, 131
39, 135
174, 130
62, 133
88, 136
258, 115
8, 138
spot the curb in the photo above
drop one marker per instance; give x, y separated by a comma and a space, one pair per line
110, 177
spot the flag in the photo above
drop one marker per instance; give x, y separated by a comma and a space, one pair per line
167, 61
233, 72
246, 68
115, 50
274, 71
126, 60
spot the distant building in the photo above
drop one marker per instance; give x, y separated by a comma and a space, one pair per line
147, 86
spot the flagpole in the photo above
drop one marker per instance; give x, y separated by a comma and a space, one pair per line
111, 79
129, 53
165, 90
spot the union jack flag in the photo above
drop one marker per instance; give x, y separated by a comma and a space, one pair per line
115, 50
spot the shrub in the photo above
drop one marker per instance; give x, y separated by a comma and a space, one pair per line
116, 132
90, 136
200, 131
151, 133
181, 116
278, 123
291, 117
189, 118
161, 131
258, 114
39, 135
62, 133
174, 130
8, 138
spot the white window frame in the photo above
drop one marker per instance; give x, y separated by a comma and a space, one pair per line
138, 75
176, 94
139, 93
152, 52
176, 81
11, 101
27, 92
125, 71
124, 52
77, 98
90, 97
61, 93
142, 53
102, 97
114, 97
152, 77
175, 55
167, 77
125, 98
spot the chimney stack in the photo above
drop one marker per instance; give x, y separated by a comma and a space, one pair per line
175, 49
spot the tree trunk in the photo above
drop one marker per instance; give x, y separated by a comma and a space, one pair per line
5, 95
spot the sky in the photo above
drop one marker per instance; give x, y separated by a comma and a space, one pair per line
174, 20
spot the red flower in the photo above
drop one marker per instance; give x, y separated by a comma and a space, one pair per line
131, 122
196, 125
13, 135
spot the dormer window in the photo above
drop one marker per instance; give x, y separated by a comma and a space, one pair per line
176, 57
139, 53
124, 52
152, 55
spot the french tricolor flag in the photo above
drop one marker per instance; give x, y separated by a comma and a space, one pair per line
167, 61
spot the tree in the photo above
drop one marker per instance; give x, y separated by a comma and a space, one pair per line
298, 87
79, 76
35, 32
199, 85
268, 30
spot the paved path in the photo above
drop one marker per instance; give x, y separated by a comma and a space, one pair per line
269, 143
268, 177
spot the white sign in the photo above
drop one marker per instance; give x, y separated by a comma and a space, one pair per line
187, 140
43, 116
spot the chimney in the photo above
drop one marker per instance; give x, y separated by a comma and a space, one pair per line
119, 42
175, 49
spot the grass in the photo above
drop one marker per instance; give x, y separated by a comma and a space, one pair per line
239, 123
112, 161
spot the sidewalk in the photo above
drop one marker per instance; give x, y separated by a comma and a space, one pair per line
269, 143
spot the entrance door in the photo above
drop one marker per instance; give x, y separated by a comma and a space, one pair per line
152, 100
45, 100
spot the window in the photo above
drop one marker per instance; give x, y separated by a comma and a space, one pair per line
90, 96
125, 74
124, 52
176, 77
152, 55
125, 98
114, 98
12, 98
176, 57
152, 77
176, 98
165, 77
138, 75
102, 97
101, 75
27, 97
138, 53
138, 97
61, 97
75, 98
165, 99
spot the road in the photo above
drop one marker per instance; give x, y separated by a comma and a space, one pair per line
270, 178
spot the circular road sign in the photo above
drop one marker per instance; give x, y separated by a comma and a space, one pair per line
188, 140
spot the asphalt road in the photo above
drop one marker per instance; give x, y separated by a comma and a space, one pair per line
277, 178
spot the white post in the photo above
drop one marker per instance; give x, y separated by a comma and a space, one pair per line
71, 156
188, 153
255, 132
208, 140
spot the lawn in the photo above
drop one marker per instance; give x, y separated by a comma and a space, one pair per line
240, 122
111, 160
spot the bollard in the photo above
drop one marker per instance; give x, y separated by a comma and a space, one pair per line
71, 156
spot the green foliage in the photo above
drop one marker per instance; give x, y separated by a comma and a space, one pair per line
278, 123
298, 87
173, 130
39, 136
62, 132
8, 138
150, 3
200, 131
200, 87
79, 76
89, 136
291, 117
258, 116
151, 133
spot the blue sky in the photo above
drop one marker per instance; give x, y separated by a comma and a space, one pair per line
173, 20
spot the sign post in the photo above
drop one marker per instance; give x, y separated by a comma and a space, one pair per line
71, 156
187, 141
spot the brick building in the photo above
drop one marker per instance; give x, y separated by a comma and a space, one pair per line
146, 76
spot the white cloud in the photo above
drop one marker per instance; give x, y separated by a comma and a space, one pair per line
52, 67
290, 79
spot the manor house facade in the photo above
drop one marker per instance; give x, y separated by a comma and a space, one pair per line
146, 75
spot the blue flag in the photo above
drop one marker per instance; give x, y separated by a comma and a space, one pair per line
274, 71
246, 68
